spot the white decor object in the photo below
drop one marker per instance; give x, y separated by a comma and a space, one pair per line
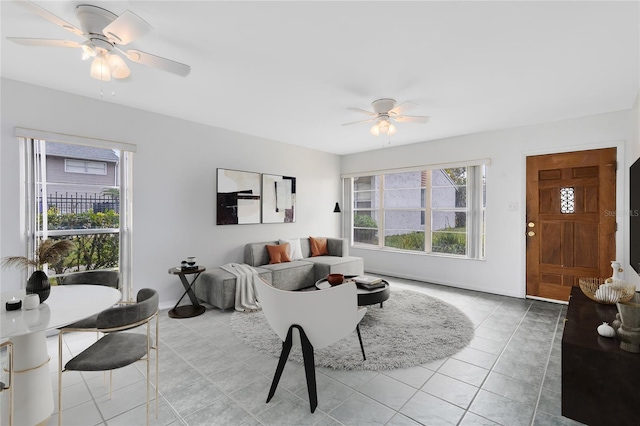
617, 271
31, 301
605, 330
608, 293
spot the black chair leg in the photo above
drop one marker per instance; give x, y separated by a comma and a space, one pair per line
284, 355
364, 357
309, 368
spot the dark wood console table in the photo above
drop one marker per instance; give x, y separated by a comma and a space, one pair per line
599, 380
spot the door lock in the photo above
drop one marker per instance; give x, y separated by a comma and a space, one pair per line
531, 224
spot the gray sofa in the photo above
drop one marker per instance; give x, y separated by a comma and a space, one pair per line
217, 286
299, 274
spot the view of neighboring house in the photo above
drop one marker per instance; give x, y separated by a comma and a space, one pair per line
414, 202
79, 178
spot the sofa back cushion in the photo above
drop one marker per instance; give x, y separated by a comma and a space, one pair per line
278, 254
318, 246
256, 254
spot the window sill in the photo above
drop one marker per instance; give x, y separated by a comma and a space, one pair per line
414, 253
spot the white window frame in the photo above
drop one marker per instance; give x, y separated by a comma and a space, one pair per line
30, 137
475, 208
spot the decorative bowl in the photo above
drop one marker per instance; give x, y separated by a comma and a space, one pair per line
607, 292
335, 279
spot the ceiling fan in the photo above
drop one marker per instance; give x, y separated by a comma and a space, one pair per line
387, 111
105, 32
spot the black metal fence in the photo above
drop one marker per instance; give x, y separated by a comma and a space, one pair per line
81, 203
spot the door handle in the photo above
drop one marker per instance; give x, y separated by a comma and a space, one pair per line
531, 233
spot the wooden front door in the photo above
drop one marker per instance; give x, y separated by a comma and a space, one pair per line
571, 220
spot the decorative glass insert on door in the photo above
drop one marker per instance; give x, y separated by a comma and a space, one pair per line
567, 200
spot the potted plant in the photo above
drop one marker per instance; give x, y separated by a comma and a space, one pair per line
49, 252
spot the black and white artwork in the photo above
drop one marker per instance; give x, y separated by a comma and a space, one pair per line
238, 198
278, 199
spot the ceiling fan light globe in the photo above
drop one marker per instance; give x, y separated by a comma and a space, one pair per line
375, 130
118, 67
383, 126
392, 130
100, 69
88, 49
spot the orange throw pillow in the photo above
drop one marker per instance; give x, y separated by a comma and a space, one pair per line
278, 254
318, 246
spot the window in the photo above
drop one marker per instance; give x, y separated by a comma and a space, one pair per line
86, 167
431, 211
79, 192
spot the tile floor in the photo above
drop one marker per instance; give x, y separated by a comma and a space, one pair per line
508, 375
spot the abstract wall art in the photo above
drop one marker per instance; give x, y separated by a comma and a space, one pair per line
238, 197
278, 199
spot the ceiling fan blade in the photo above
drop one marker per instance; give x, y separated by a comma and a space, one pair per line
403, 107
44, 42
411, 118
126, 28
359, 122
363, 111
51, 17
158, 62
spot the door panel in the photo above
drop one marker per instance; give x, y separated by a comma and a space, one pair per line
570, 235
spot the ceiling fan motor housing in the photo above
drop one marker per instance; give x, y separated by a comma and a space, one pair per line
383, 106
94, 19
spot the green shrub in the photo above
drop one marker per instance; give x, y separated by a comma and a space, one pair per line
411, 241
364, 221
92, 251
449, 242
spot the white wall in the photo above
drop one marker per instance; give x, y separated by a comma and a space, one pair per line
503, 271
174, 182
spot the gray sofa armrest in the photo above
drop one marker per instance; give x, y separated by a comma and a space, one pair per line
256, 254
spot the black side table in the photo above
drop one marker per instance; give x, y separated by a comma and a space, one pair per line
195, 309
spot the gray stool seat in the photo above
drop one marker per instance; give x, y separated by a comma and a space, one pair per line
115, 350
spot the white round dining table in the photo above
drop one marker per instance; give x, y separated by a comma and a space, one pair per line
33, 392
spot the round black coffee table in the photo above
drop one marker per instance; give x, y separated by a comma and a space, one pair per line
365, 297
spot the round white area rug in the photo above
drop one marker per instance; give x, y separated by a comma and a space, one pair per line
411, 329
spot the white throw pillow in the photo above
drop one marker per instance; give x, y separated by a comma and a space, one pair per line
295, 251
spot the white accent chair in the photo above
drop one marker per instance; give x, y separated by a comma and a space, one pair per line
321, 317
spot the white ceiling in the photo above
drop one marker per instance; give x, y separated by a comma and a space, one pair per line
288, 70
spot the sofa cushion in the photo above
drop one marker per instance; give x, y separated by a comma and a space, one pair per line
318, 246
292, 275
278, 254
295, 250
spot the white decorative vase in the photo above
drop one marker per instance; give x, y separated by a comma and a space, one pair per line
629, 330
617, 271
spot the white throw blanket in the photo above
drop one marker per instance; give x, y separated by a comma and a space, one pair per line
245, 286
